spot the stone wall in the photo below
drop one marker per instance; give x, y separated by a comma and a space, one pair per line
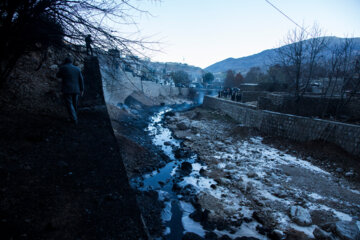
118, 85
294, 127
308, 106
250, 96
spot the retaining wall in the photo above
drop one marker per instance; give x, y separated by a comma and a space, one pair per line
118, 85
294, 127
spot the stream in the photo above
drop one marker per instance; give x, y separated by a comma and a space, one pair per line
161, 180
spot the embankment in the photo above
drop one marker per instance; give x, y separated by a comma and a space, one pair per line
294, 127
59, 181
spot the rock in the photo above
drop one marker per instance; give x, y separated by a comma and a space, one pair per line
259, 216
181, 153
202, 172
251, 174
211, 236
276, 235
167, 143
321, 217
224, 237
258, 201
181, 126
280, 193
322, 235
293, 234
191, 236
186, 167
347, 230
300, 216
349, 174
54, 67
176, 187
339, 170
246, 238
247, 220
262, 230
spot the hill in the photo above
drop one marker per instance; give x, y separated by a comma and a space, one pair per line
264, 58
194, 72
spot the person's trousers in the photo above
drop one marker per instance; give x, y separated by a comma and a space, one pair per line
71, 102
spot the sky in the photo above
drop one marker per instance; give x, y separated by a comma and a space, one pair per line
203, 32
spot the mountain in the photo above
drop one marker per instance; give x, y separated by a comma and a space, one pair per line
265, 58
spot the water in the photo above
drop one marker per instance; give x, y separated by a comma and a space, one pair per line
161, 180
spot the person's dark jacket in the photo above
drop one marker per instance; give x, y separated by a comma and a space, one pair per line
72, 79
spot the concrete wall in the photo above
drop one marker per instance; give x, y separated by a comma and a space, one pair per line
289, 126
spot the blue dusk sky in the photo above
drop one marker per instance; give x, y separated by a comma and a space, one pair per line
202, 32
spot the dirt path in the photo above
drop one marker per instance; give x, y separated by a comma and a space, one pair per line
250, 186
62, 182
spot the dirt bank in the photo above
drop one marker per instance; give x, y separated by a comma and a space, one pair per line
58, 181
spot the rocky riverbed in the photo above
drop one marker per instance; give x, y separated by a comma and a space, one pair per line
241, 185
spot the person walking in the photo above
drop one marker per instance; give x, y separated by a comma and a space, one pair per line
72, 87
88, 42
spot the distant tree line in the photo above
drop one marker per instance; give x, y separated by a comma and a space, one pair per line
308, 56
233, 79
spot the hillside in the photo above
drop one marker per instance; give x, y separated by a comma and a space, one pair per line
194, 72
263, 59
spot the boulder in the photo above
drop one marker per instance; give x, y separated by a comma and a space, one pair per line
322, 235
186, 168
347, 230
300, 216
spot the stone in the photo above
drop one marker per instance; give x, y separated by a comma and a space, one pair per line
279, 193
211, 236
167, 143
322, 235
186, 167
347, 230
263, 230
224, 237
258, 201
349, 174
276, 235
202, 172
300, 216
251, 174
246, 238
259, 217
191, 236
293, 234
54, 67
181, 126
339, 170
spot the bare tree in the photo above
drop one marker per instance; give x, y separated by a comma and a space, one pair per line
301, 55
25, 23
292, 55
